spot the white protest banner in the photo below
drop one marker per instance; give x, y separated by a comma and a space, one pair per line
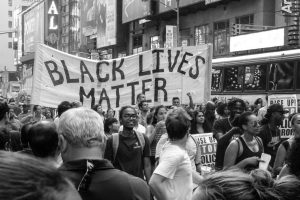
160, 73
289, 102
207, 148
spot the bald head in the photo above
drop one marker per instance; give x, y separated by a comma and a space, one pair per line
43, 139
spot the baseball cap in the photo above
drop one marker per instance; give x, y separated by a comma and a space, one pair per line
276, 108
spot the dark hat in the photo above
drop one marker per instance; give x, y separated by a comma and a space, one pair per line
276, 108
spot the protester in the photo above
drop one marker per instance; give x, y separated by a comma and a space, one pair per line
48, 114
263, 110
24, 177
24, 111
143, 112
111, 125
176, 101
99, 110
4, 139
25, 139
224, 130
284, 147
61, 108
245, 151
154, 133
43, 140
173, 177
110, 113
13, 123
288, 187
292, 166
129, 150
232, 185
199, 123
269, 132
222, 110
209, 114
82, 145
4, 109
35, 117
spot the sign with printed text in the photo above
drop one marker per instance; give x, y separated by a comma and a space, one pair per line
207, 148
160, 74
290, 103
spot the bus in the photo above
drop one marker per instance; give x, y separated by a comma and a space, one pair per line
254, 76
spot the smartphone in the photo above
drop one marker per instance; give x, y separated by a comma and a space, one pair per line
266, 158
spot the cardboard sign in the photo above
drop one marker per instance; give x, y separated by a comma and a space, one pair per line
160, 74
289, 102
207, 148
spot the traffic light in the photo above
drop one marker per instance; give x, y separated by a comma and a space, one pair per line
293, 32
236, 29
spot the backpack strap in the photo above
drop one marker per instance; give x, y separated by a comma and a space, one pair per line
115, 144
141, 139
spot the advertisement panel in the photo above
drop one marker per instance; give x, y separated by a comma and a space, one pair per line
33, 27
59, 76
290, 103
171, 36
106, 23
51, 33
135, 9
167, 5
98, 18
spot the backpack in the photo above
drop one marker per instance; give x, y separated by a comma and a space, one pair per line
115, 142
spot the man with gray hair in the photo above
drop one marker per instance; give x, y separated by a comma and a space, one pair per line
82, 141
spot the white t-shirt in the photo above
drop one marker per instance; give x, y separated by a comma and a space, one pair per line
140, 128
175, 165
191, 148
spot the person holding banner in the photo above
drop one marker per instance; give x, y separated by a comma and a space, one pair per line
245, 151
284, 147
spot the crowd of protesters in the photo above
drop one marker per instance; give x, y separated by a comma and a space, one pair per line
141, 152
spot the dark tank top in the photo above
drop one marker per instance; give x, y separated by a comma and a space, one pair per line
247, 153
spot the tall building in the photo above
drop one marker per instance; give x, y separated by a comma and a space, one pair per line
6, 36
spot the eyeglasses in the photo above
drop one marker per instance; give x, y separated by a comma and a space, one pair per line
130, 116
86, 179
254, 124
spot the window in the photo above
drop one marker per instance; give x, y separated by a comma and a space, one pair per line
281, 76
9, 24
255, 77
233, 79
9, 2
154, 42
10, 45
221, 38
137, 44
248, 19
201, 34
10, 13
10, 35
216, 81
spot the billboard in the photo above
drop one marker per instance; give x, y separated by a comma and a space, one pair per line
106, 23
167, 5
135, 9
98, 18
33, 27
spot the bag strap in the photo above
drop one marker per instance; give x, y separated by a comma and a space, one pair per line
141, 139
115, 145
